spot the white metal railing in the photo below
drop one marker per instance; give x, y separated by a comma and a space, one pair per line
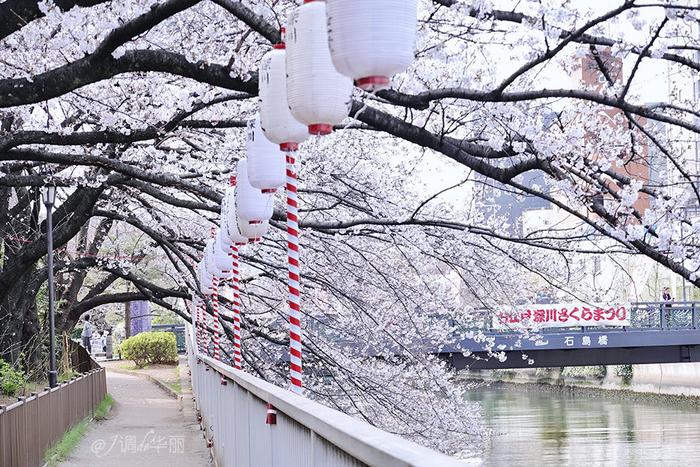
306, 433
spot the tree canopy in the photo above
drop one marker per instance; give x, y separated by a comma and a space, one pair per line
136, 110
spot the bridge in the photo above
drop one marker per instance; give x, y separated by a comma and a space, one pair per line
659, 332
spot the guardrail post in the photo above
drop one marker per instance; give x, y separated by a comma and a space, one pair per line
694, 316
662, 317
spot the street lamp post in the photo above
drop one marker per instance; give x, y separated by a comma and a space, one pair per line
49, 198
685, 216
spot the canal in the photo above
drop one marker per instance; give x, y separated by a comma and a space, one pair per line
534, 425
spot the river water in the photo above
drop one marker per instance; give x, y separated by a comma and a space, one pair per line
540, 426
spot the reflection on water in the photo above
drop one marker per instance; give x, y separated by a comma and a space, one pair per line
539, 426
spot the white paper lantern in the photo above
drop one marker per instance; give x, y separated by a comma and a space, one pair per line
210, 259
253, 231
318, 96
230, 233
265, 162
205, 279
276, 120
252, 205
222, 241
371, 40
222, 255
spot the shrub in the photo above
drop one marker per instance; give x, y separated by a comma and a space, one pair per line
625, 372
585, 372
150, 347
11, 380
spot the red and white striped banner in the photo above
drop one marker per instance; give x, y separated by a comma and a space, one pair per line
295, 369
562, 315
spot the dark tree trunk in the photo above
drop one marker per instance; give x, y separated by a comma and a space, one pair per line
20, 340
20, 279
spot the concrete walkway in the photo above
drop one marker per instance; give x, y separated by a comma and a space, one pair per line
145, 427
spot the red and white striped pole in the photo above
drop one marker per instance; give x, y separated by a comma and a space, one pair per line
236, 284
193, 323
199, 325
237, 361
203, 331
215, 310
295, 370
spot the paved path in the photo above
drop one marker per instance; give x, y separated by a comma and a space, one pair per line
145, 427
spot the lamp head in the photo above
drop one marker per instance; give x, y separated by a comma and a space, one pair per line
48, 195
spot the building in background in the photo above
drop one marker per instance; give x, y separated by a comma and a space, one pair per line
599, 72
139, 317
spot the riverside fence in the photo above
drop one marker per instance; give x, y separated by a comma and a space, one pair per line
250, 422
32, 425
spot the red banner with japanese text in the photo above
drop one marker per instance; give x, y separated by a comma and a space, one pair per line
562, 315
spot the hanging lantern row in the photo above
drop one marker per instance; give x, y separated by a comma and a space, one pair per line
307, 78
244, 218
305, 88
245, 215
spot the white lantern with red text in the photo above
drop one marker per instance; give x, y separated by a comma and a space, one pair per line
318, 96
253, 231
230, 233
252, 205
372, 40
265, 162
276, 120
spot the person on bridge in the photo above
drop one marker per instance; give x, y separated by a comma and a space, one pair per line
667, 295
86, 335
667, 307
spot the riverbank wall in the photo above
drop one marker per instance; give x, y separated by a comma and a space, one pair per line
679, 379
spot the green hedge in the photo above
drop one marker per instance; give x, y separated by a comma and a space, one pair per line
150, 347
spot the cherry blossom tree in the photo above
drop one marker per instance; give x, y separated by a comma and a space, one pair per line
135, 109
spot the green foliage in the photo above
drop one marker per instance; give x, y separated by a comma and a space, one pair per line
164, 316
41, 299
11, 380
102, 409
625, 372
150, 347
586, 372
62, 450
76, 332
175, 386
545, 374
67, 375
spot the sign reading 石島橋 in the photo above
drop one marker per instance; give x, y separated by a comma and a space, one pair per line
561, 315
